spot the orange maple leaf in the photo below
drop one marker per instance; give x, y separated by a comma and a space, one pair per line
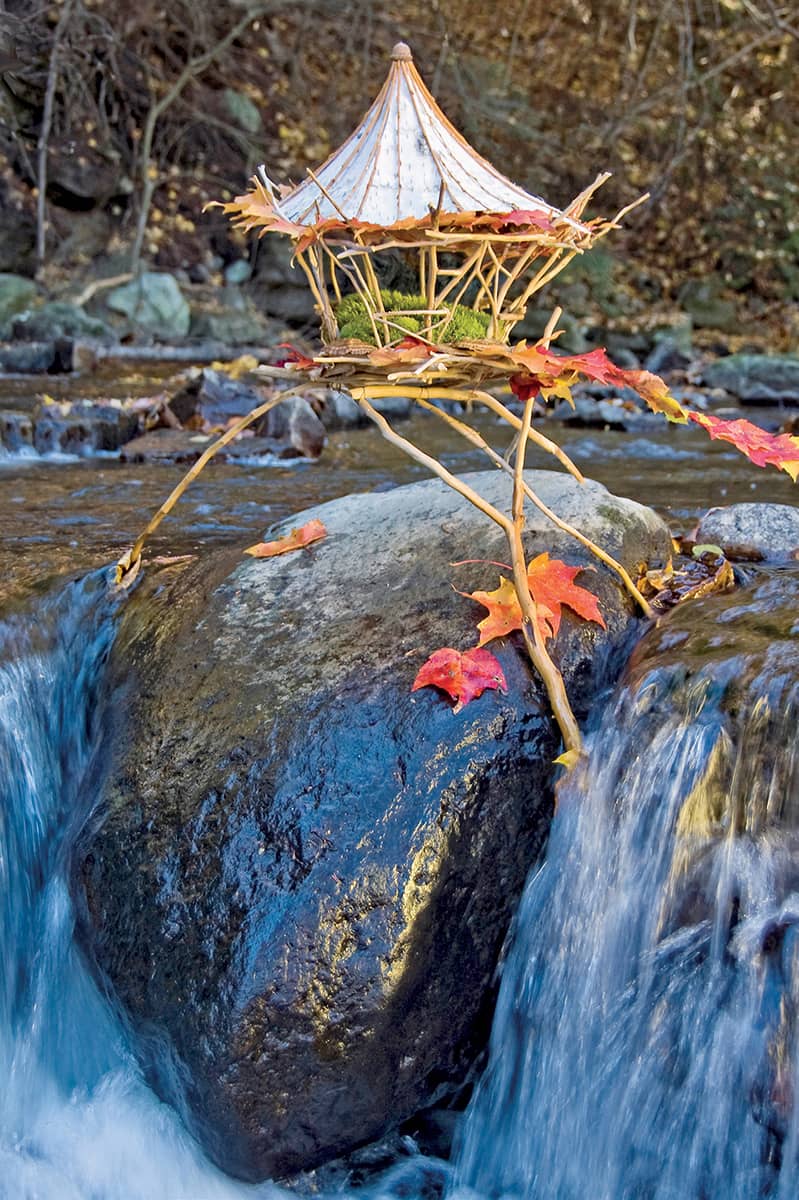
463, 676
763, 449
504, 613
310, 532
552, 585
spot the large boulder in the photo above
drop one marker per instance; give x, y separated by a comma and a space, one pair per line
302, 872
154, 304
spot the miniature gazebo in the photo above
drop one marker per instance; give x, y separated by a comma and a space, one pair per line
406, 181
477, 247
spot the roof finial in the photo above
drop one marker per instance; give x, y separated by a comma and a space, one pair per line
401, 53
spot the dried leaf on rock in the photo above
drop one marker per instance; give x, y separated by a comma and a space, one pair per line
463, 676
312, 531
691, 579
779, 450
238, 367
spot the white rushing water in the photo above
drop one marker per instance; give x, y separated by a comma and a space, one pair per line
77, 1121
645, 1042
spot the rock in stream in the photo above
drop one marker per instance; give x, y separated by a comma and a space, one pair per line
301, 873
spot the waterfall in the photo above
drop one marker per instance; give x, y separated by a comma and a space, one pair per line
645, 1040
77, 1121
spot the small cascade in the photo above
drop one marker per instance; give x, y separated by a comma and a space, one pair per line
645, 1042
77, 1121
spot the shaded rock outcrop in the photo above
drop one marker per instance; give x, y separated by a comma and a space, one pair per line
301, 873
756, 378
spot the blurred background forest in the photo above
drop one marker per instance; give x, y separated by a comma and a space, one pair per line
120, 119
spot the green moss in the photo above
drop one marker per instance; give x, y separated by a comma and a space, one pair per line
464, 325
353, 319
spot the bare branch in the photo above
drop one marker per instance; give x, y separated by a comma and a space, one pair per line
44, 133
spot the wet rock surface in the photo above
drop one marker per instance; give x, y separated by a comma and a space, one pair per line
729, 666
302, 872
81, 429
752, 532
29, 358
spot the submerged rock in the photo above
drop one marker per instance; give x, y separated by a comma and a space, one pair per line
183, 446
81, 428
302, 872
28, 358
209, 399
16, 431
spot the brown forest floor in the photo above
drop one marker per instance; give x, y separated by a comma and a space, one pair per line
695, 101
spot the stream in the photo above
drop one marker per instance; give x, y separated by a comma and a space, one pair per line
645, 1040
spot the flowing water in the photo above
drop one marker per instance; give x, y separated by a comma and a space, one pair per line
76, 1120
645, 1043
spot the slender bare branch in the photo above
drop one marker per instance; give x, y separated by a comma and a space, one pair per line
129, 563
44, 133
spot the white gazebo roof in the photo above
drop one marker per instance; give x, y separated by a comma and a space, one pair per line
404, 160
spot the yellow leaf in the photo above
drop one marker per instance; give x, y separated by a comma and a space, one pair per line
238, 367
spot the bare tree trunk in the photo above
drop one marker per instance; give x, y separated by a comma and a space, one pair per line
44, 135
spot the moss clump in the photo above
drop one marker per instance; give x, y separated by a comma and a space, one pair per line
464, 324
353, 319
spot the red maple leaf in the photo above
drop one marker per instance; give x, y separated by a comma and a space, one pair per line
463, 676
547, 369
523, 216
524, 386
763, 449
294, 358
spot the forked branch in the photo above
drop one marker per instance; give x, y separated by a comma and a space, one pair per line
512, 528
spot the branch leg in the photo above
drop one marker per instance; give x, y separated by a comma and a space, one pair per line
539, 656
128, 565
477, 440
